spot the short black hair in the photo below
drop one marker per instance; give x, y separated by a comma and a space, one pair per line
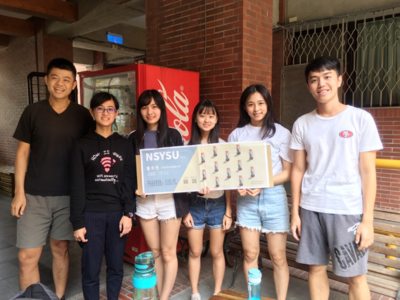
101, 97
63, 64
322, 63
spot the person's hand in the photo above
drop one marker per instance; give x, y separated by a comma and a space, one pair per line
296, 226
141, 196
188, 220
365, 235
125, 225
253, 192
18, 205
206, 190
226, 221
79, 235
242, 192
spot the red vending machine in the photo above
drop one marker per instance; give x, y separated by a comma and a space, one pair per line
180, 90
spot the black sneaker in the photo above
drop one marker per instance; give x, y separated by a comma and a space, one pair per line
63, 298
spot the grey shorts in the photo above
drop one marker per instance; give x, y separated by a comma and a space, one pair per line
43, 215
324, 235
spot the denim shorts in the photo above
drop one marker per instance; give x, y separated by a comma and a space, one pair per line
266, 212
207, 210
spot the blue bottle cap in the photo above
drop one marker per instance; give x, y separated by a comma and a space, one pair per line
255, 276
144, 262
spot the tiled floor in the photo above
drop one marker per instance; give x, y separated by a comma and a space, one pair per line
9, 286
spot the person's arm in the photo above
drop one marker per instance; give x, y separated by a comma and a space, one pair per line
127, 191
365, 231
285, 174
21, 165
298, 170
78, 190
227, 220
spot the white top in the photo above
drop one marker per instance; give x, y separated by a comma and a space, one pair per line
279, 143
218, 193
332, 182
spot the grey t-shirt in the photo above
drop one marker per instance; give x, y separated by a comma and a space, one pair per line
150, 139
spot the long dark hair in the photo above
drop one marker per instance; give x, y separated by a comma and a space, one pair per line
206, 106
268, 126
141, 125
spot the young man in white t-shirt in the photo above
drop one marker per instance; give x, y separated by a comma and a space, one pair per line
336, 191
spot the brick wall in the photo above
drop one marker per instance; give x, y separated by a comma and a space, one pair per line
231, 50
388, 122
277, 60
277, 64
237, 46
16, 62
22, 56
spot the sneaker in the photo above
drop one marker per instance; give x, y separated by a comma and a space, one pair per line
196, 297
63, 298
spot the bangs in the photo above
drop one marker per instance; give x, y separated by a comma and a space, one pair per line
206, 109
146, 101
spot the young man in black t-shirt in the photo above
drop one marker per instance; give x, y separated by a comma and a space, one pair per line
46, 131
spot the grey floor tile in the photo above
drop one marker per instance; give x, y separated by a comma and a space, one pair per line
5, 244
6, 292
8, 270
12, 283
72, 290
8, 230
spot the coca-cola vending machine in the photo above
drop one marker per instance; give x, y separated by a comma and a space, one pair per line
180, 90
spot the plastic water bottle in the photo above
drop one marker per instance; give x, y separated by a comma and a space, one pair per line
254, 285
145, 278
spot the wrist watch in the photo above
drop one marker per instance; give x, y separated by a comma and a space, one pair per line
129, 214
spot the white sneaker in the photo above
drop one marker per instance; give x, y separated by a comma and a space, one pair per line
196, 297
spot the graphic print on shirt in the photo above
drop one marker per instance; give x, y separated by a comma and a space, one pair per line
106, 162
346, 134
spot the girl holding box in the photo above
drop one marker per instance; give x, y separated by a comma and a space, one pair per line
264, 210
211, 207
160, 215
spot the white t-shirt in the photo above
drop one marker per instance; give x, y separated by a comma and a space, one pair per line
215, 194
332, 182
279, 143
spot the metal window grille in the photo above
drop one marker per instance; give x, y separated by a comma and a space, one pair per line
368, 44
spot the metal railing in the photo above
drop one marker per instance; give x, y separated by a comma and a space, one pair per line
367, 43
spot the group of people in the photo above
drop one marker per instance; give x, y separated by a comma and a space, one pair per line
76, 179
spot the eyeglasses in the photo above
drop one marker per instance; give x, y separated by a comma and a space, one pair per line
101, 110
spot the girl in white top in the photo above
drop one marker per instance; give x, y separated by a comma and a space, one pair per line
160, 215
264, 210
214, 208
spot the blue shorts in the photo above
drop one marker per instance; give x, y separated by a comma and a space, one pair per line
207, 210
266, 212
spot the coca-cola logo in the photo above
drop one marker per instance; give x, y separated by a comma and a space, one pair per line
179, 107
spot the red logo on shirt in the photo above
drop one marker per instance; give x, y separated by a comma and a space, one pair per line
346, 134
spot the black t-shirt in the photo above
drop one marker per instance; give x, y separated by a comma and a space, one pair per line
51, 136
